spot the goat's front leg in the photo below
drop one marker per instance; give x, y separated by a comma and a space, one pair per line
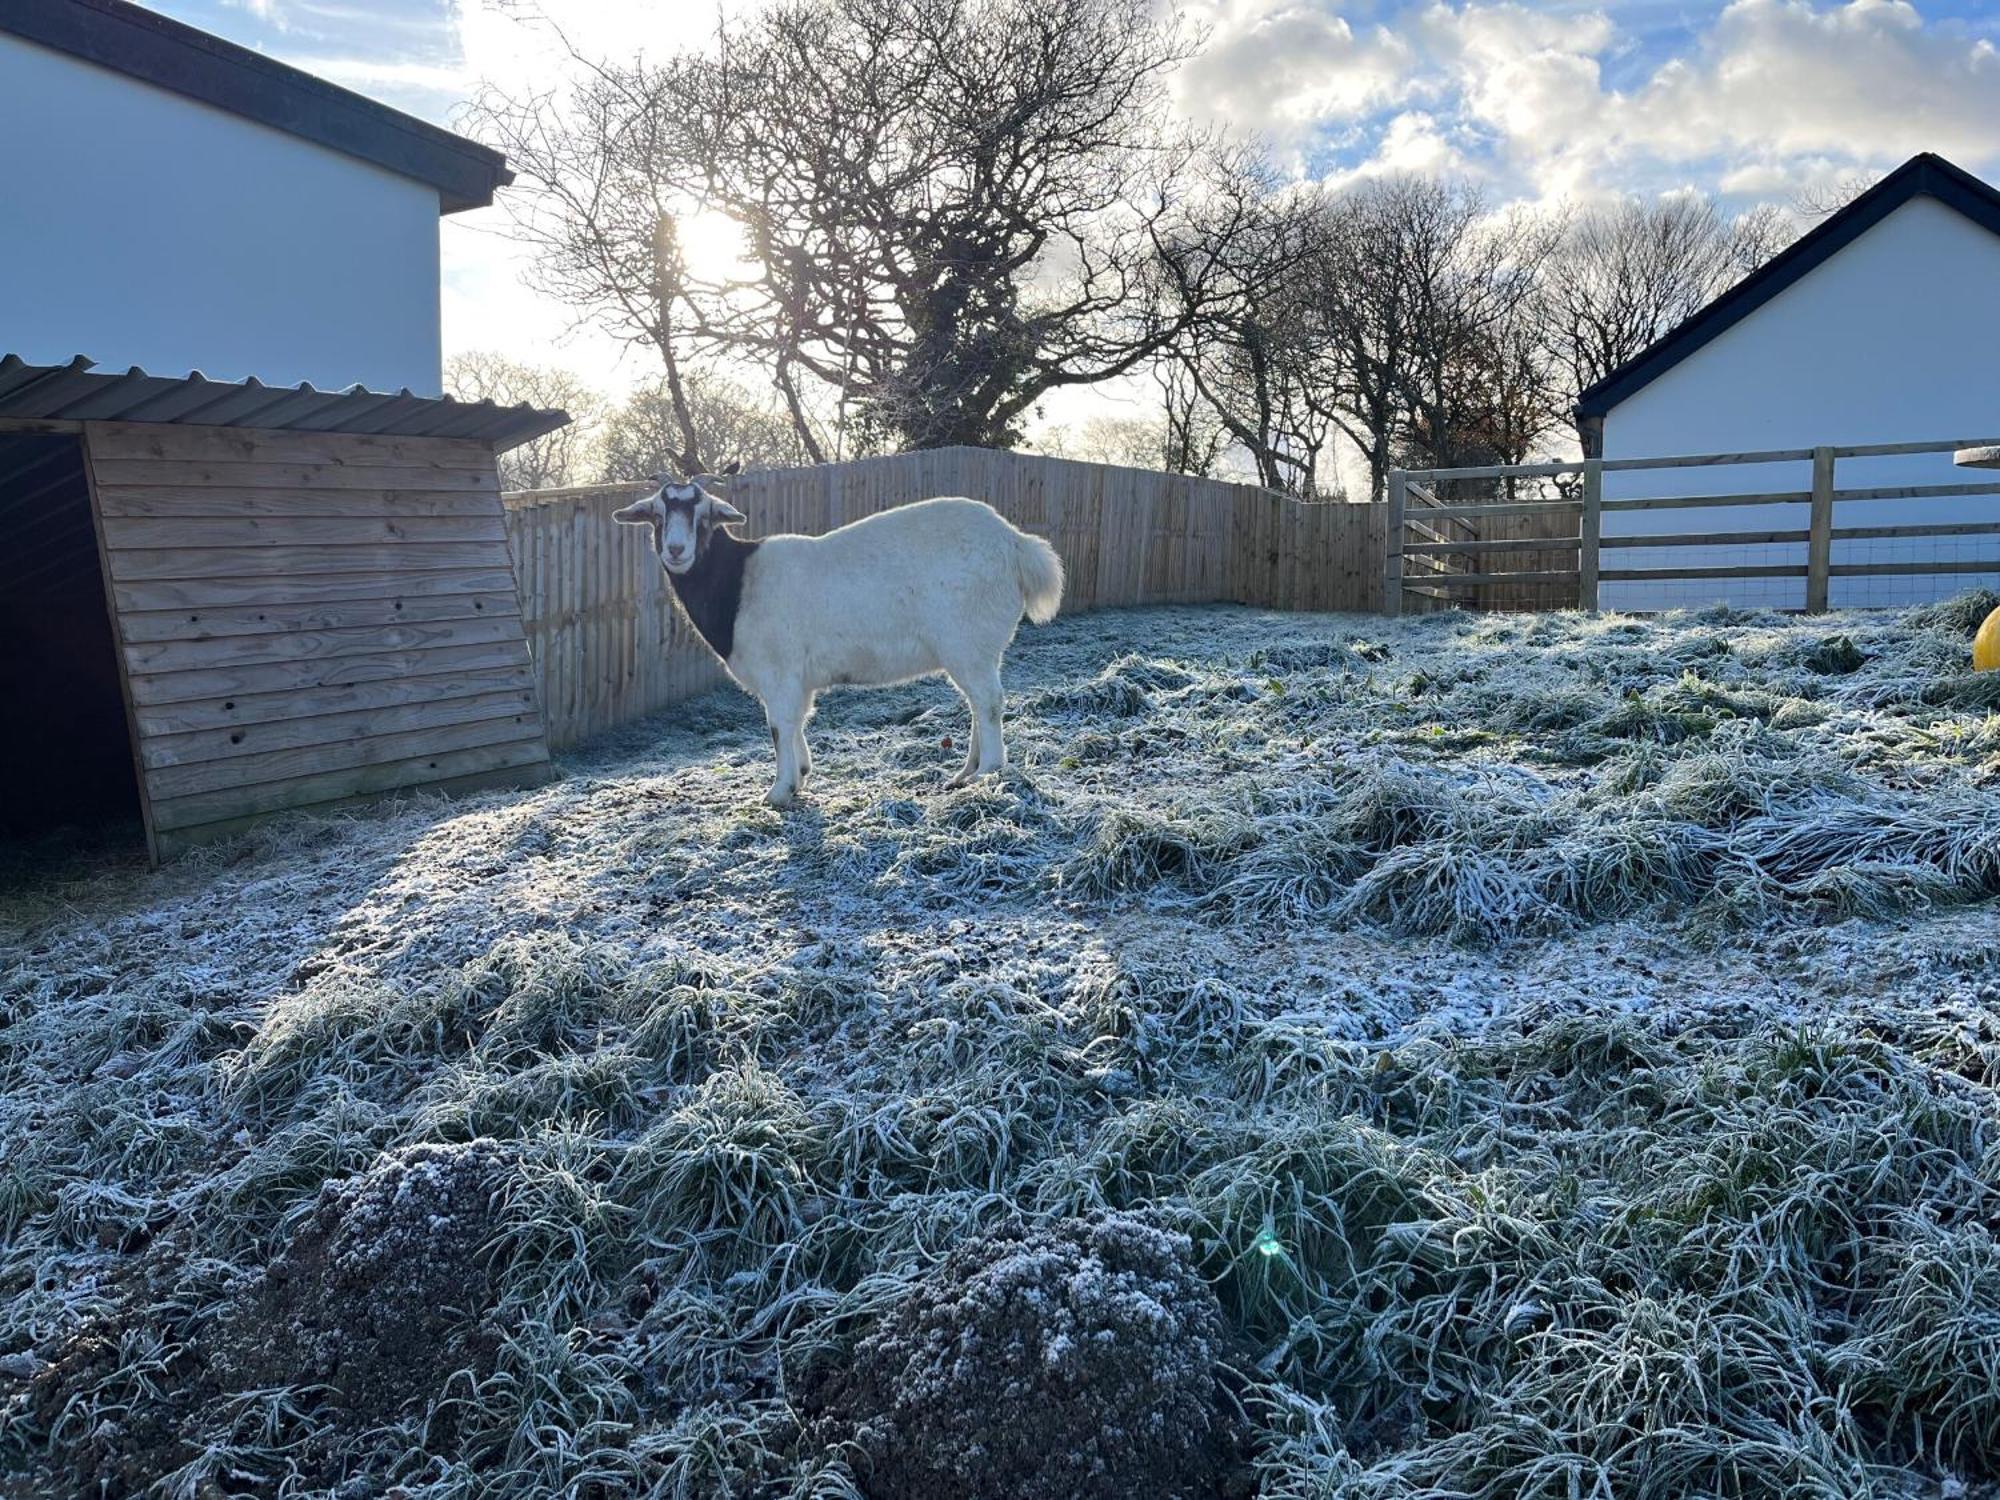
786, 716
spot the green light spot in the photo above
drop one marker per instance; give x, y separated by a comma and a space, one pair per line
1267, 1243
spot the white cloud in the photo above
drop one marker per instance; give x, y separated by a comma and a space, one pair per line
1863, 82
524, 46
1280, 68
1774, 96
1529, 77
385, 77
267, 11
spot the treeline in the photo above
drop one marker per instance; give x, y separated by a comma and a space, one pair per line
948, 211
635, 437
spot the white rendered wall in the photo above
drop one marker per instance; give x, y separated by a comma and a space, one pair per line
1894, 339
138, 227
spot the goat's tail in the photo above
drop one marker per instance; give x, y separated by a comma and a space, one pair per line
1041, 575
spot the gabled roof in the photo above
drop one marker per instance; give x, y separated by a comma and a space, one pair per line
148, 46
1925, 175
76, 392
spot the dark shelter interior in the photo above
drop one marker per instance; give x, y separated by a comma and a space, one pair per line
65, 751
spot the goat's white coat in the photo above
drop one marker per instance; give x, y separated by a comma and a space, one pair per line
938, 586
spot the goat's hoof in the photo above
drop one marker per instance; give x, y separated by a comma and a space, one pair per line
953, 783
776, 798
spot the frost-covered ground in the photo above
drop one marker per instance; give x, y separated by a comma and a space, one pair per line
1567, 1047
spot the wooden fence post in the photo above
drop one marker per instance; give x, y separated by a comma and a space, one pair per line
1819, 539
1392, 569
1591, 534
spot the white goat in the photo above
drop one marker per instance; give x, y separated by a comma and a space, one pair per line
938, 586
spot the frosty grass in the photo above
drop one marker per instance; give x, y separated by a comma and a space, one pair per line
1570, 1043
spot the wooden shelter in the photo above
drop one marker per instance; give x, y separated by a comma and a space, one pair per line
222, 600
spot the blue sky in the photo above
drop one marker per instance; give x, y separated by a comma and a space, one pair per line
1562, 100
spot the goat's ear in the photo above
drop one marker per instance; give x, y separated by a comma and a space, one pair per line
638, 513
723, 512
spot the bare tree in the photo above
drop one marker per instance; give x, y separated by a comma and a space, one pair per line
1393, 295
1397, 315
553, 460
1622, 277
1195, 438
1251, 354
647, 434
1824, 199
1135, 442
950, 207
1470, 382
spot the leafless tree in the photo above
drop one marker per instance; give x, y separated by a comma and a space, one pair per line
1822, 200
553, 460
645, 435
1421, 298
1620, 278
1251, 354
1195, 438
1361, 309
1134, 442
1469, 379
950, 207
1397, 315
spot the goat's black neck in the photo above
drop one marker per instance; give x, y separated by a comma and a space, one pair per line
712, 589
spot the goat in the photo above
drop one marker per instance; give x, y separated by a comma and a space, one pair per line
937, 586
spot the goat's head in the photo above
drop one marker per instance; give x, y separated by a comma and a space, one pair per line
682, 514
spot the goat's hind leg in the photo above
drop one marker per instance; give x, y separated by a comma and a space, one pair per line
802, 749
985, 751
989, 705
971, 766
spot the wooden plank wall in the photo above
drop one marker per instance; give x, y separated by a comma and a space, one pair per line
307, 618
1525, 596
609, 645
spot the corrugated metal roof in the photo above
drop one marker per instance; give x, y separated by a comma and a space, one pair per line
77, 392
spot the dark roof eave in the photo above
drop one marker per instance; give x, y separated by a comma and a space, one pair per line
155, 49
1925, 175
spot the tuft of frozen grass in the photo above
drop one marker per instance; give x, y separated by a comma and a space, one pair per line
733, 1169
1568, 1049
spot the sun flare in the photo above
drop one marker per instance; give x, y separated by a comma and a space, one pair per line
714, 248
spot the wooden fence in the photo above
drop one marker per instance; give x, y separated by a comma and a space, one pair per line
1437, 547
609, 646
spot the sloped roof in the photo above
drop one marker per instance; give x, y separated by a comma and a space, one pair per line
151, 47
1925, 175
77, 392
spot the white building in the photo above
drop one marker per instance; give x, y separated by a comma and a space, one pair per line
1880, 326
174, 201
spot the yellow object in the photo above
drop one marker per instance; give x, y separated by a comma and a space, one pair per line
1986, 645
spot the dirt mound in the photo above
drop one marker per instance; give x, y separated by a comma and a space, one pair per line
378, 1297
381, 1294
1076, 1362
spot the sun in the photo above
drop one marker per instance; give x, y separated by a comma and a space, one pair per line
713, 248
